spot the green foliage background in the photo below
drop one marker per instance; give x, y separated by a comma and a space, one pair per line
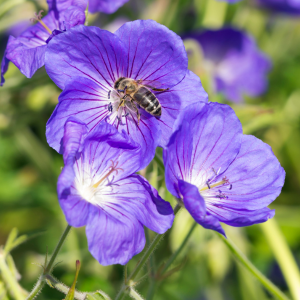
29, 167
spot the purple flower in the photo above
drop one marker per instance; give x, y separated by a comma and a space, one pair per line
291, 7
220, 174
27, 51
98, 188
106, 6
234, 63
87, 62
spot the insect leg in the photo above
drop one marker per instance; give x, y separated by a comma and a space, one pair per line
136, 110
158, 90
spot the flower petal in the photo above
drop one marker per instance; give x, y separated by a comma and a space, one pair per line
177, 158
113, 237
4, 68
138, 198
26, 58
89, 102
106, 6
173, 101
155, 53
217, 134
240, 218
86, 51
195, 205
256, 176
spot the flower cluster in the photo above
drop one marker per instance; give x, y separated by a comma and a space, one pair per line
129, 92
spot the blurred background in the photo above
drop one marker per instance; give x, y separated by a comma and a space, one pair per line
268, 109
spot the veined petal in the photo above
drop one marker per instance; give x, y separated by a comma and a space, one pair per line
195, 205
138, 198
88, 102
87, 52
113, 237
83, 99
155, 53
256, 177
27, 59
173, 101
217, 134
239, 218
177, 157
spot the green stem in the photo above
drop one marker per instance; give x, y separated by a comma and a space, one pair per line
54, 283
284, 256
135, 295
144, 259
10, 281
41, 281
151, 270
175, 254
248, 265
159, 162
57, 249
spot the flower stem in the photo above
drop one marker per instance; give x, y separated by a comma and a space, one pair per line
135, 295
284, 256
8, 278
175, 254
144, 259
47, 269
248, 265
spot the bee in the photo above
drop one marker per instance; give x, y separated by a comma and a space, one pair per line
138, 93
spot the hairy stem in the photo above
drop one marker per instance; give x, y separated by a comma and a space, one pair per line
273, 289
54, 283
143, 260
47, 268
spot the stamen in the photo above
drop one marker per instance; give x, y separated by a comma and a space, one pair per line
113, 169
38, 17
224, 181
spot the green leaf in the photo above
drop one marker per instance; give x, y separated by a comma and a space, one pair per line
10, 240
70, 295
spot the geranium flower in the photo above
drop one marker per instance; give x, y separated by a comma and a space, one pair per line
290, 7
27, 51
233, 62
87, 62
106, 6
219, 174
98, 188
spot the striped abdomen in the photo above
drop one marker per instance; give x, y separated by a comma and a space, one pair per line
147, 100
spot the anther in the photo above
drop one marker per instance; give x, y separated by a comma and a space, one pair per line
207, 182
38, 17
230, 187
109, 94
110, 107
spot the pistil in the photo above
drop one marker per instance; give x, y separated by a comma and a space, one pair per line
38, 17
113, 169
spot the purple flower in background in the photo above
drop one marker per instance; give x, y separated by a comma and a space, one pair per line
233, 61
27, 51
98, 188
91, 65
220, 174
106, 6
291, 7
